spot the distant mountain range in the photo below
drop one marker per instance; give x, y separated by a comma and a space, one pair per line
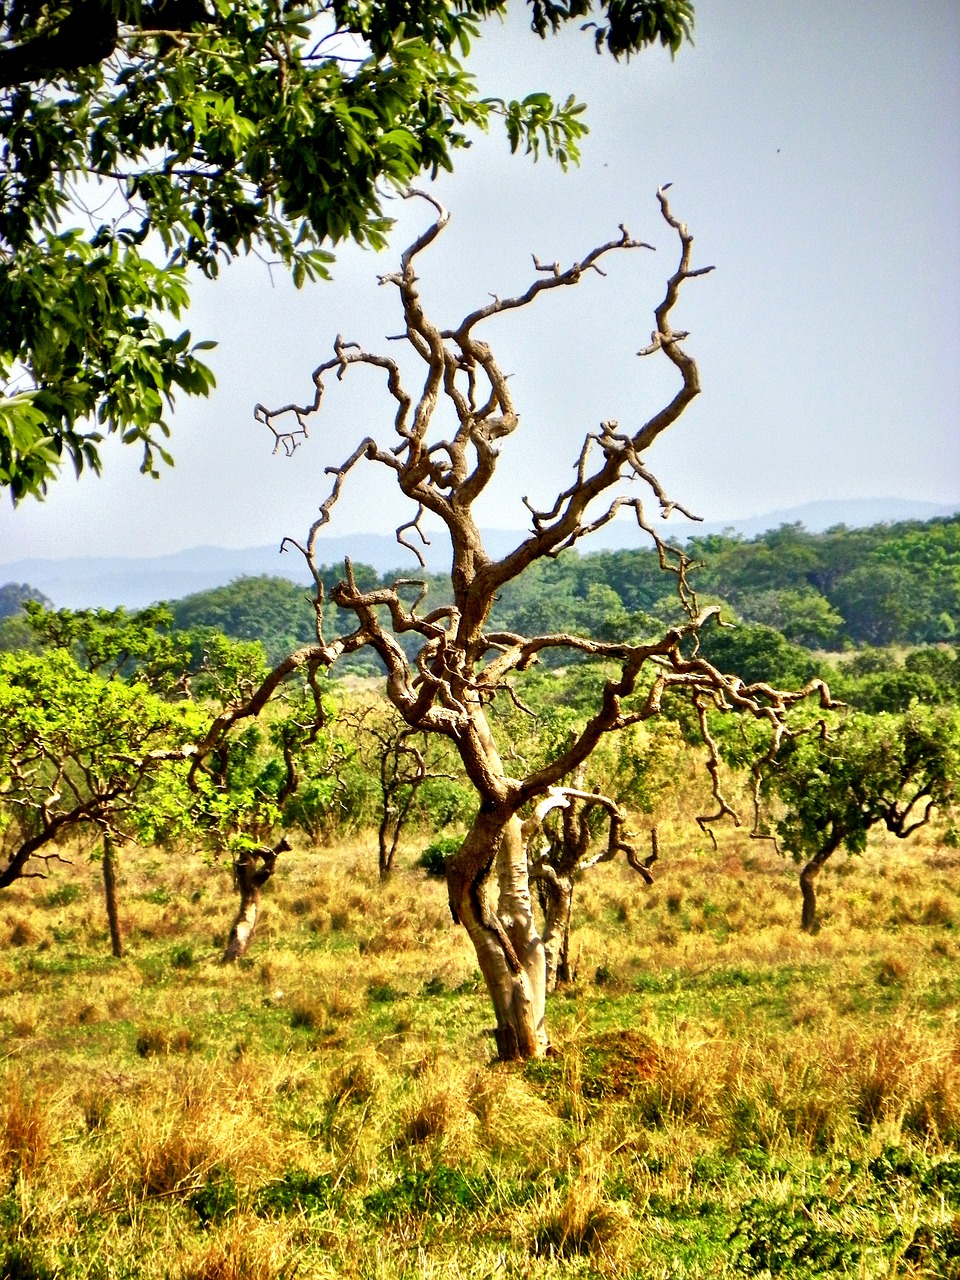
106, 582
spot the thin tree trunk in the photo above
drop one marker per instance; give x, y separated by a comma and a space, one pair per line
557, 902
503, 931
808, 886
110, 896
564, 974
385, 850
252, 869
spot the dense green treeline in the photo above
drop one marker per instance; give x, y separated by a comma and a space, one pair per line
886, 585
792, 592
889, 584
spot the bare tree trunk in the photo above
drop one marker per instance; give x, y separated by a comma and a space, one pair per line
252, 869
503, 930
808, 887
110, 896
386, 849
556, 899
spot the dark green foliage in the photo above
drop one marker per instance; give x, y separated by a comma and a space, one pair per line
274, 611
77, 749
295, 1192
440, 1191
216, 1200
63, 895
772, 1239
434, 857
758, 653
24, 1262
382, 993
786, 587
181, 957
145, 648
890, 584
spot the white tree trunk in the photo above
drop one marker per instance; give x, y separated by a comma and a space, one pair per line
495, 909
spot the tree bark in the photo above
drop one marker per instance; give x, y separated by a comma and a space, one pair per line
557, 902
252, 869
503, 931
808, 888
110, 897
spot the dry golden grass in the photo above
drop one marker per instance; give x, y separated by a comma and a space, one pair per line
329, 1107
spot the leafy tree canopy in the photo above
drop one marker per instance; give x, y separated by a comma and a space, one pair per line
891, 770
78, 751
183, 133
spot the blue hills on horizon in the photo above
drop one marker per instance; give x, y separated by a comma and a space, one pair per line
88, 582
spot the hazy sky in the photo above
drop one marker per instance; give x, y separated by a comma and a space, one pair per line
814, 150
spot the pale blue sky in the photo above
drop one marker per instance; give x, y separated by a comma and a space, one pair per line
814, 150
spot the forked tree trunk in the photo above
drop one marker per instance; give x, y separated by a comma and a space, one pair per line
497, 913
252, 869
808, 885
110, 896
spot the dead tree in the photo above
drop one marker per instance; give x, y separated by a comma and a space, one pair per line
404, 767
461, 665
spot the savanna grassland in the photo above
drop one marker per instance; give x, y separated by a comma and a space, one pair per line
728, 1097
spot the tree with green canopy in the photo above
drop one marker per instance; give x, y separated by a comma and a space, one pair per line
893, 771
80, 751
99, 736
142, 139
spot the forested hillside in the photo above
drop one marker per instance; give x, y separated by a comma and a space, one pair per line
886, 585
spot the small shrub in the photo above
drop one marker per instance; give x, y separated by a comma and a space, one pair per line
215, 1200
581, 1221
296, 1191
233, 1259
182, 957
939, 911
785, 1239
439, 1191
382, 993
63, 895
433, 860
95, 1107
357, 1079
307, 1014
24, 1262
24, 933
23, 1017
892, 970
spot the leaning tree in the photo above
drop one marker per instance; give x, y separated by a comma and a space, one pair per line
894, 772
447, 667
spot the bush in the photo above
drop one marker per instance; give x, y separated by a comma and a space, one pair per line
434, 857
